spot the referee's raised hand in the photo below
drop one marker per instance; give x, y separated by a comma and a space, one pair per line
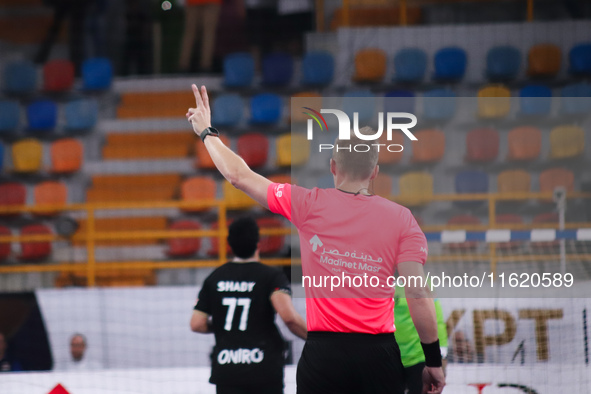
200, 116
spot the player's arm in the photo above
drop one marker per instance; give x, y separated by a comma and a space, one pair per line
200, 322
230, 165
284, 307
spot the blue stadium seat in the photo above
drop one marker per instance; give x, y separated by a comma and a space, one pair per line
576, 99
9, 116
277, 69
580, 59
81, 114
238, 70
20, 77
535, 100
471, 182
450, 64
399, 101
439, 104
502, 63
265, 108
410, 65
317, 68
227, 110
42, 115
97, 73
362, 101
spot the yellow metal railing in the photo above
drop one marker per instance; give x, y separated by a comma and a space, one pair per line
91, 235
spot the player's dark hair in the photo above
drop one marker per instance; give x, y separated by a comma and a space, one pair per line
243, 237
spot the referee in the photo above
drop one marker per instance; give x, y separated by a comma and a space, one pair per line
237, 303
349, 232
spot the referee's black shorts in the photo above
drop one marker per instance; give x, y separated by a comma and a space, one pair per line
341, 363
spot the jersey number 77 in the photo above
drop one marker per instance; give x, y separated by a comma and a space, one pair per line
231, 303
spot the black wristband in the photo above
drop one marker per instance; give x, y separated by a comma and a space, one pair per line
209, 131
432, 353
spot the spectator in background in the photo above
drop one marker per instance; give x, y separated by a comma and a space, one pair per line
77, 350
462, 351
295, 18
7, 364
201, 20
262, 26
137, 51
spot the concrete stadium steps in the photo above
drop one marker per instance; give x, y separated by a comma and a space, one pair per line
155, 104
123, 224
133, 188
148, 145
110, 278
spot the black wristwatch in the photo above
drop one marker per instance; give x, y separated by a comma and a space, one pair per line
209, 131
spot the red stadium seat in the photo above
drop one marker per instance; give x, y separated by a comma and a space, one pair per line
429, 147
482, 145
37, 250
183, 247
4, 246
270, 244
12, 194
556, 177
214, 248
525, 143
58, 75
254, 149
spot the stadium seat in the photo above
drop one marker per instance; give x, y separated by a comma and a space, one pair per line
556, 177
254, 149
429, 147
50, 193
42, 115
183, 247
66, 156
544, 61
535, 100
416, 188
9, 116
381, 185
227, 110
302, 100
97, 74
238, 70
410, 65
482, 145
81, 114
399, 101
58, 75
580, 59
317, 68
567, 142
576, 99
502, 63
384, 155
277, 69
214, 241
471, 182
35, 250
525, 143
270, 244
462, 222
439, 104
513, 181
370, 65
265, 108
27, 155
235, 198
198, 188
11, 194
494, 101
203, 160
361, 101
450, 64
292, 149
20, 77
5, 247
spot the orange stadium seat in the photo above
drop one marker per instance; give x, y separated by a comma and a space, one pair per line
382, 186
544, 60
35, 250
566, 142
387, 157
292, 149
556, 177
203, 159
183, 247
198, 188
525, 143
50, 193
236, 199
482, 145
27, 155
270, 244
5, 247
254, 149
416, 188
494, 101
12, 194
370, 65
513, 181
430, 146
66, 155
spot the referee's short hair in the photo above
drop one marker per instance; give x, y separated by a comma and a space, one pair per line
243, 237
357, 164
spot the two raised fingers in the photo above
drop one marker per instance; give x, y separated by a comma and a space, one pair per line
201, 97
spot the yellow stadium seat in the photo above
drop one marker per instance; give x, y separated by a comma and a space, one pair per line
235, 198
513, 181
494, 101
416, 188
566, 141
27, 155
292, 149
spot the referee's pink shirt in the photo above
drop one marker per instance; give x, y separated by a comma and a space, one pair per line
343, 233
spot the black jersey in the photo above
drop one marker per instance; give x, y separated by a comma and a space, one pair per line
249, 347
